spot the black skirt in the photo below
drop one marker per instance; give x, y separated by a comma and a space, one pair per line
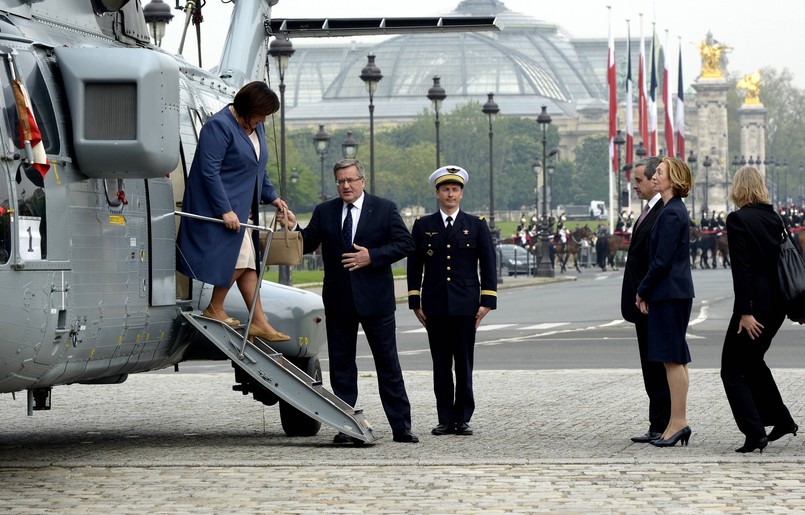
667, 325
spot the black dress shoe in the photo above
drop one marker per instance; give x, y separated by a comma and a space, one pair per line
650, 436
405, 436
750, 446
683, 435
342, 438
443, 429
463, 429
780, 431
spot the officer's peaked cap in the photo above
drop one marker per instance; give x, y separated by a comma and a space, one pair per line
450, 173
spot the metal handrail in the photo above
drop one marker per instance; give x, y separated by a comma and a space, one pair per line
263, 265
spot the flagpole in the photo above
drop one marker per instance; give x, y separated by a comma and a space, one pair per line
613, 107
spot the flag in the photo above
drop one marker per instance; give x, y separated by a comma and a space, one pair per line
613, 97
30, 137
666, 100
642, 109
652, 100
680, 109
629, 105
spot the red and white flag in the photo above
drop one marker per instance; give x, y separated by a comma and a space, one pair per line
642, 108
613, 97
30, 137
680, 109
666, 100
652, 100
629, 104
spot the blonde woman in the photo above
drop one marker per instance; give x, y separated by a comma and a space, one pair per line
755, 231
666, 293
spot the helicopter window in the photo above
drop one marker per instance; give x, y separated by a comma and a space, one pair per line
26, 69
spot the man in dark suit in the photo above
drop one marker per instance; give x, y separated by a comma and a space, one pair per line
654, 377
450, 248
361, 235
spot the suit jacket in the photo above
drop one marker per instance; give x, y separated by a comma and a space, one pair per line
451, 263
226, 175
754, 242
637, 260
668, 276
367, 291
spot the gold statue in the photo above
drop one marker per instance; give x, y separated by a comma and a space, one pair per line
713, 60
751, 84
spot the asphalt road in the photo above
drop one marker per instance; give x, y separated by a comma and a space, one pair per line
572, 325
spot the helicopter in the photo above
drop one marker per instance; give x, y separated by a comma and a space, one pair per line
98, 128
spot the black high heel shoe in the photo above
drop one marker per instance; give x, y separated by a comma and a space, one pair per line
780, 431
749, 446
683, 435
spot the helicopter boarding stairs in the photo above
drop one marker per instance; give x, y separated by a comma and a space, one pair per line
284, 379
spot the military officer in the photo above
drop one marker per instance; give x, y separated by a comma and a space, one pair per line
451, 299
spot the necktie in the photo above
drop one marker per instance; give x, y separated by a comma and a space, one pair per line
449, 223
347, 231
643, 214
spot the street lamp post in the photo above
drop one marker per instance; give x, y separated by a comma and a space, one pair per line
544, 269
785, 182
691, 162
436, 95
537, 168
157, 15
801, 197
281, 50
321, 140
349, 148
491, 109
619, 141
371, 76
707, 164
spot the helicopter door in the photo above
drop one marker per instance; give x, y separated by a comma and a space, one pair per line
23, 216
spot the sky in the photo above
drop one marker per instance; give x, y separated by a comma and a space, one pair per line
761, 34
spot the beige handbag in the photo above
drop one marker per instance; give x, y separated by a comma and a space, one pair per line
286, 246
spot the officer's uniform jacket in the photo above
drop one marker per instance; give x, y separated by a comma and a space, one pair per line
451, 264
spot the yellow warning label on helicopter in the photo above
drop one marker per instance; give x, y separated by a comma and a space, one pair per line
117, 220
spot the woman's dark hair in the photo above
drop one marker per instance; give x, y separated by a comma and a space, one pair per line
255, 98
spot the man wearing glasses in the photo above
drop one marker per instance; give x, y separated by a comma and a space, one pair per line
361, 235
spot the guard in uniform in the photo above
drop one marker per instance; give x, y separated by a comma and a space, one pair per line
450, 301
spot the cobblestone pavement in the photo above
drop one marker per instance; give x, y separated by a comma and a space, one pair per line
544, 441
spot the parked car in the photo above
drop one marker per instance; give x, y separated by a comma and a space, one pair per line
515, 260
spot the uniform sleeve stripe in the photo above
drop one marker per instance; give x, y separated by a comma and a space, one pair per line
413, 292
492, 293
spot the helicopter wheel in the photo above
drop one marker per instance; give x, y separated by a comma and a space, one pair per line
294, 422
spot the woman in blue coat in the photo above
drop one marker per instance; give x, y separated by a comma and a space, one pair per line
666, 293
227, 180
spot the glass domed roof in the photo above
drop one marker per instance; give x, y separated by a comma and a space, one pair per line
526, 64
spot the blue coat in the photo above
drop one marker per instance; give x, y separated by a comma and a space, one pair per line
225, 176
668, 276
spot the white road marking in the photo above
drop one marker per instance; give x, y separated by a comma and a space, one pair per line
544, 325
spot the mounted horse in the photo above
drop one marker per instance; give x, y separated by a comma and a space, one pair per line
571, 247
608, 246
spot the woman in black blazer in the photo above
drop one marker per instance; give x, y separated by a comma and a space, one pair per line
666, 293
755, 232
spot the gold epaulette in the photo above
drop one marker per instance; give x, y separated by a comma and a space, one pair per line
480, 218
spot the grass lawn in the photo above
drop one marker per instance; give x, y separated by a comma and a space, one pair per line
312, 276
